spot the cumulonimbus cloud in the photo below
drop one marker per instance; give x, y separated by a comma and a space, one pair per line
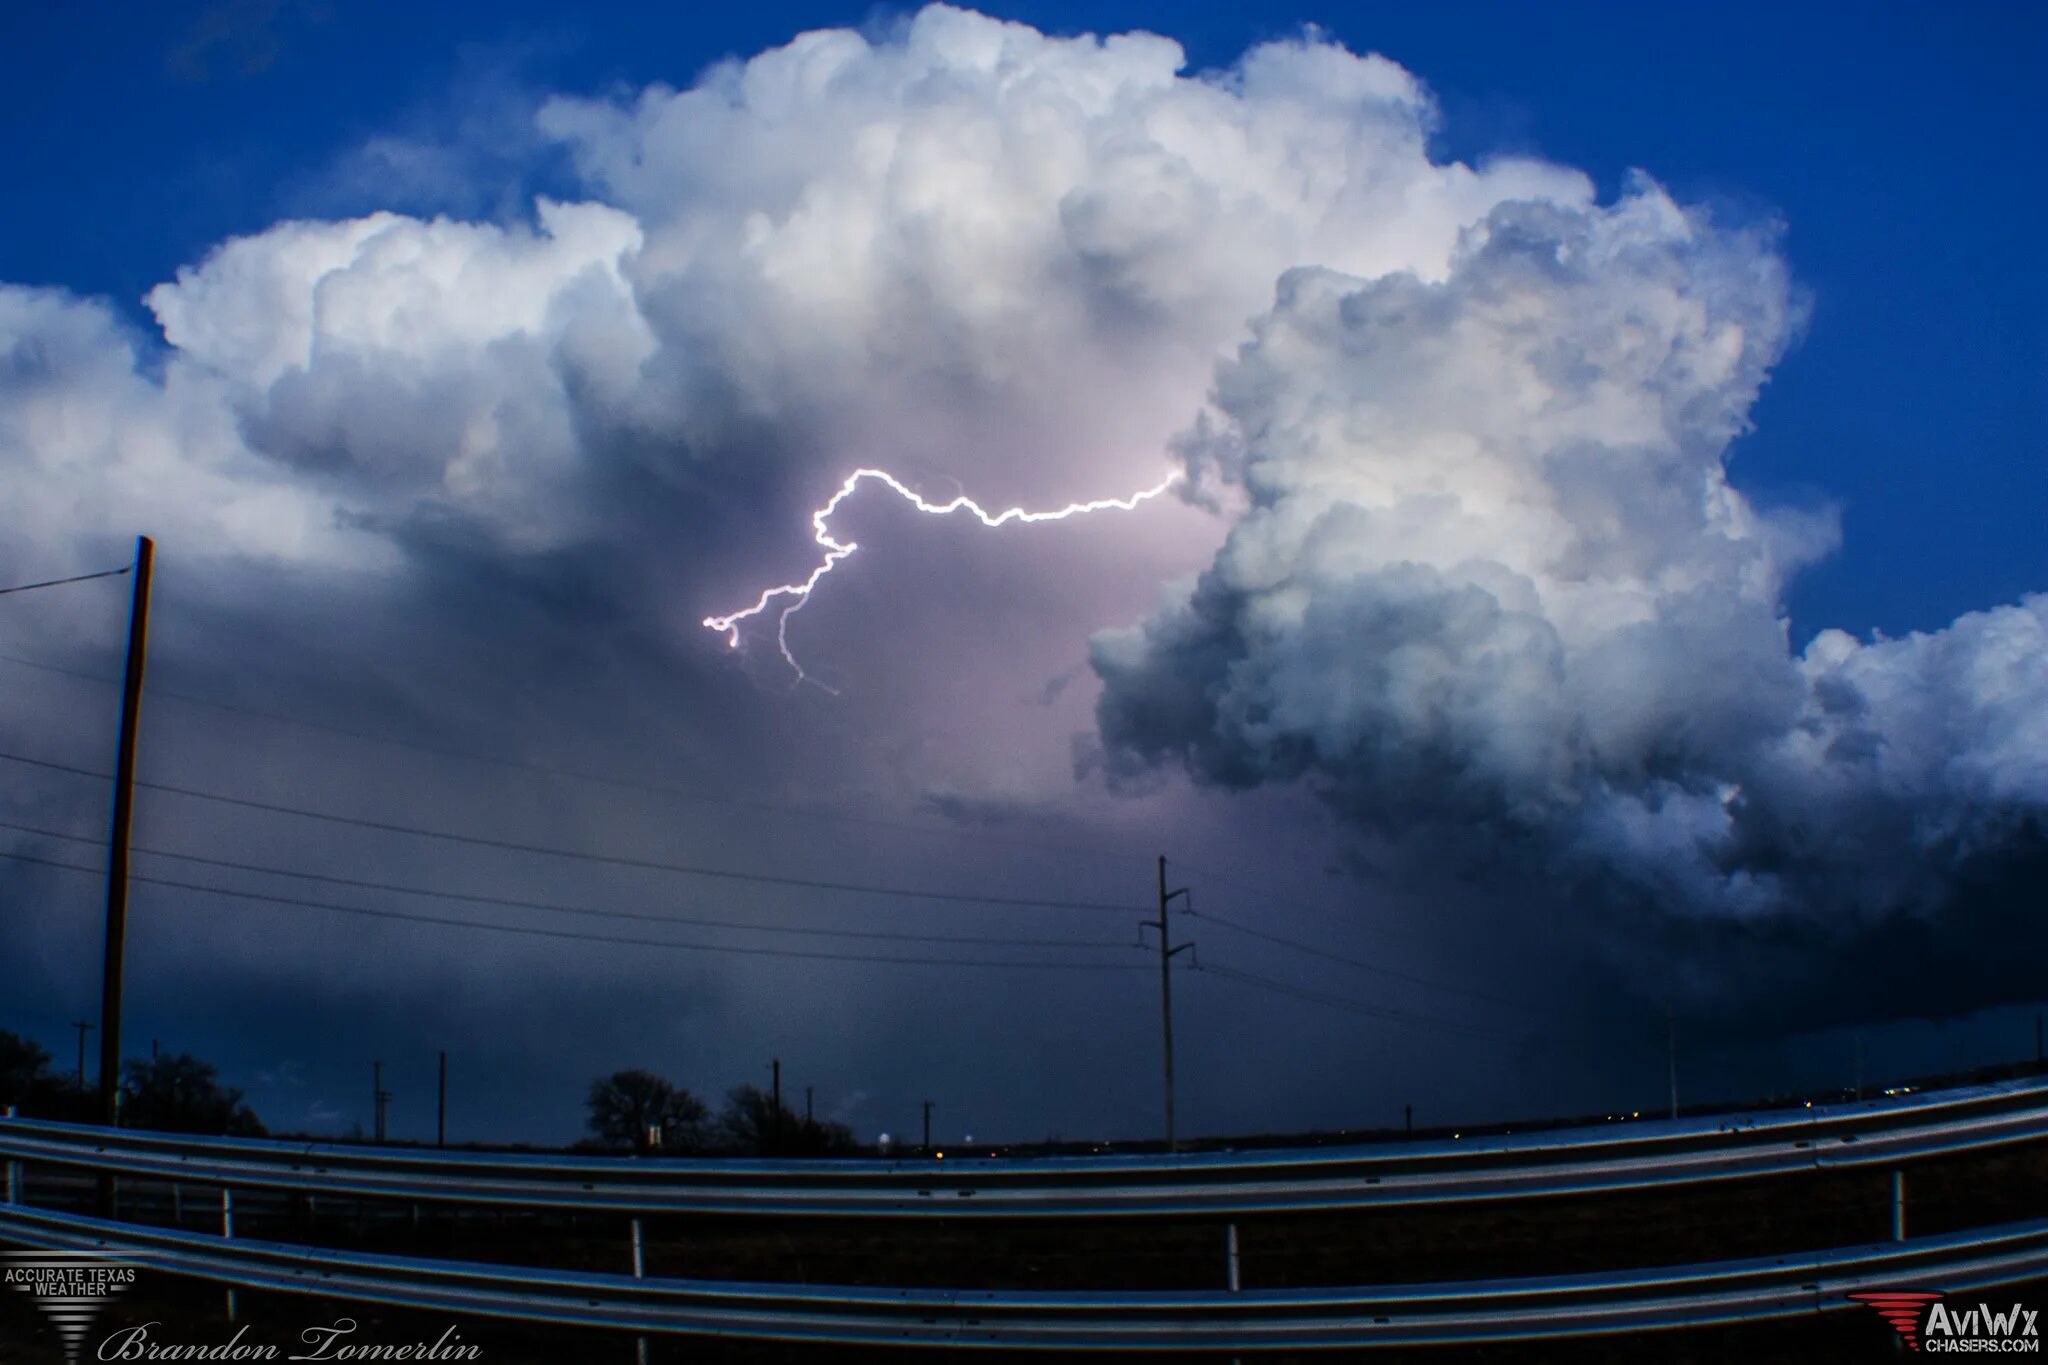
984, 253
1484, 568
1494, 593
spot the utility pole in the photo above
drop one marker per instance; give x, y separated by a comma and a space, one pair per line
1166, 994
380, 1098
927, 1127
1408, 1118
1671, 1053
83, 1028
117, 851
807, 1108
776, 1065
441, 1105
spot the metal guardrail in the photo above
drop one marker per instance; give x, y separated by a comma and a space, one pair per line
1571, 1161
1179, 1321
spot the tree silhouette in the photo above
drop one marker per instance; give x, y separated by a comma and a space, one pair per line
625, 1105
24, 1070
35, 1091
752, 1122
178, 1093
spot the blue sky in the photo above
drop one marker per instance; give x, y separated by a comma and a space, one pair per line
490, 520
1895, 143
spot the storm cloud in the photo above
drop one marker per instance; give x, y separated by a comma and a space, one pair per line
989, 260
972, 249
1455, 550
1493, 594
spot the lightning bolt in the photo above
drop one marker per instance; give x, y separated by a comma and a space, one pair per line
836, 551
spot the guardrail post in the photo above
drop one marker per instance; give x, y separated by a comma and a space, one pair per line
1230, 1258
177, 1204
227, 1229
639, 1272
13, 1170
1898, 1206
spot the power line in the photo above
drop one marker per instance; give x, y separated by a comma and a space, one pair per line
579, 937
580, 774
778, 808
1263, 889
1268, 893
1450, 1026
511, 845
1229, 973
559, 908
702, 922
686, 869
1374, 968
59, 582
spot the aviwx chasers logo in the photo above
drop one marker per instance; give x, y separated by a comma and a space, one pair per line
1926, 1322
71, 1287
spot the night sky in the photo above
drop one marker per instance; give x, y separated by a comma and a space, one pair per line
1604, 448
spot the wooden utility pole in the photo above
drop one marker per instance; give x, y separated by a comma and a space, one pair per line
83, 1028
1166, 953
776, 1111
927, 1127
441, 1106
1671, 1057
380, 1098
117, 851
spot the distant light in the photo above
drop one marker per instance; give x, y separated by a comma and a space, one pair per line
1809, 1104
941, 1155
967, 1137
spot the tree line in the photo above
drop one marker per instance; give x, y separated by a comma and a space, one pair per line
628, 1111
171, 1092
639, 1111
